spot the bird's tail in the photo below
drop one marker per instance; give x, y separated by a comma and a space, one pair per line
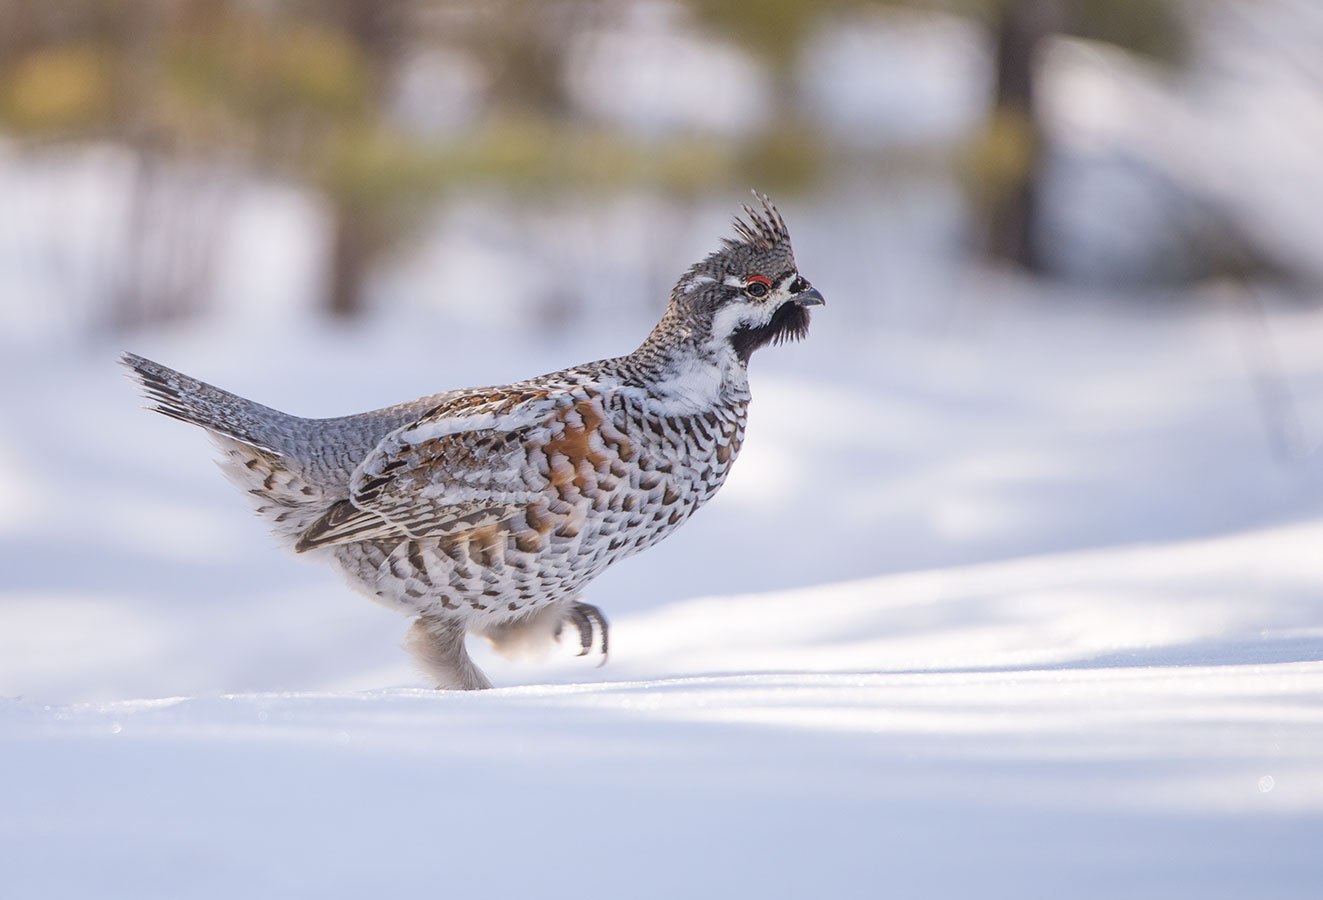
179, 396
261, 448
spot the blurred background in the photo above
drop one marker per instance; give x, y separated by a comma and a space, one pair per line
1070, 250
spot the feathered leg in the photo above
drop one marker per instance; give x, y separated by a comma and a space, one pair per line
529, 636
438, 645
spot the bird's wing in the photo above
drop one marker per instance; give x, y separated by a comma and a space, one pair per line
480, 460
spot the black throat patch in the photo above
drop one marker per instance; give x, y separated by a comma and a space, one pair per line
789, 323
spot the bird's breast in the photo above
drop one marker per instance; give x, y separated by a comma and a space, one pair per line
688, 455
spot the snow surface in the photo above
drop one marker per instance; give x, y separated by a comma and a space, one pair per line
1020, 602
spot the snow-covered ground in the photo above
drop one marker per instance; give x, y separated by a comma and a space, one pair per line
1022, 599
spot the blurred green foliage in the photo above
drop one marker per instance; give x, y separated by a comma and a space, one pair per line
303, 88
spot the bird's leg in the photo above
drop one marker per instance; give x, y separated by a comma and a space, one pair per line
438, 646
526, 637
589, 621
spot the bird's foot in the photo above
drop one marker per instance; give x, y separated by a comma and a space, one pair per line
589, 622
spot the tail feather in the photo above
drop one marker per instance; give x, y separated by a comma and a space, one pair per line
181, 397
263, 451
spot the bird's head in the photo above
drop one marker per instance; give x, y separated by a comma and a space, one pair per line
749, 293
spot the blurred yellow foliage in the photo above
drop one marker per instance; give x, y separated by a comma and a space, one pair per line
263, 70
789, 157
321, 68
58, 87
773, 30
377, 168
1002, 154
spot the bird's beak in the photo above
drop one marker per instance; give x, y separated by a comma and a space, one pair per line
811, 297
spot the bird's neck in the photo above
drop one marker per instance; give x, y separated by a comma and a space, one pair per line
687, 371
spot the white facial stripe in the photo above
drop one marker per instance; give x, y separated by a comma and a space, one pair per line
696, 281
731, 317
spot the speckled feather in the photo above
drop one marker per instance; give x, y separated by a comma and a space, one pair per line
488, 510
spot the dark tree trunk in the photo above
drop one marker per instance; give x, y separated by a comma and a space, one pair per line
351, 258
1022, 27
18, 31
378, 28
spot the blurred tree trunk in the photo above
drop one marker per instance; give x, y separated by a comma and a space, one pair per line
17, 31
378, 30
351, 259
1021, 29
140, 292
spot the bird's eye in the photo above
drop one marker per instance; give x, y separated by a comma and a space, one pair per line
757, 285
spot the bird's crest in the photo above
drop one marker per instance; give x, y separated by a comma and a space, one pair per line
761, 229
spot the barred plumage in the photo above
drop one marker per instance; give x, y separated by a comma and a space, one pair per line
488, 510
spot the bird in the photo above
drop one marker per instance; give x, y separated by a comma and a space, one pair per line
486, 511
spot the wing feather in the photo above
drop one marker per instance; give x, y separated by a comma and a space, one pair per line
453, 469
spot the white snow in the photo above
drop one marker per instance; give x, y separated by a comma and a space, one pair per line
1023, 605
